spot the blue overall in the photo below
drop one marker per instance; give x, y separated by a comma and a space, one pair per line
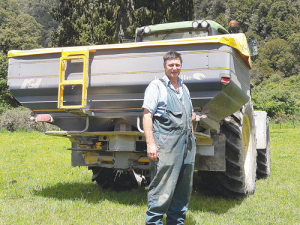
172, 174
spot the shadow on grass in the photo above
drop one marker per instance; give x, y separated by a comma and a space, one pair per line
204, 200
91, 193
217, 205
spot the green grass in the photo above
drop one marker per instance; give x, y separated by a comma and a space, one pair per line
38, 185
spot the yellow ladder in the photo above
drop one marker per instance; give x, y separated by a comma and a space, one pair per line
69, 56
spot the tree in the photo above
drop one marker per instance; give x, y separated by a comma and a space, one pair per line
20, 31
40, 10
85, 22
294, 41
17, 31
6, 98
275, 101
99, 21
277, 54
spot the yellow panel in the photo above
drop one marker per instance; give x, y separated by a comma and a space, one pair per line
204, 141
143, 160
91, 158
98, 145
107, 160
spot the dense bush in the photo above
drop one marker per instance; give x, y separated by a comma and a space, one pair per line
279, 97
19, 119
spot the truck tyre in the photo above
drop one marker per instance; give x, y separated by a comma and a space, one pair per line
240, 149
117, 180
264, 158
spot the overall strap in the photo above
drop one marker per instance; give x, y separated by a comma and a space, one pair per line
168, 88
164, 83
172, 95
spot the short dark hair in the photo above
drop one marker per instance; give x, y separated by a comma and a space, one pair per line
172, 55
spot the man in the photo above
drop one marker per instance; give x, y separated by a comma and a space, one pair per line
167, 123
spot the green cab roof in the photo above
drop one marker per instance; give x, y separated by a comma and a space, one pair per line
183, 25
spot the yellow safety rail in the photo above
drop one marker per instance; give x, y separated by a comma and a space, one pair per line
68, 56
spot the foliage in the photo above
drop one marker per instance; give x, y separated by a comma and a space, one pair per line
6, 98
288, 120
15, 119
100, 22
278, 56
294, 41
275, 101
266, 20
40, 10
18, 30
280, 98
85, 22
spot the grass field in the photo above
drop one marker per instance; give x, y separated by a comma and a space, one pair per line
39, 186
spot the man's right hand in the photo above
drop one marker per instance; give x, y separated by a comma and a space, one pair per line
152, 152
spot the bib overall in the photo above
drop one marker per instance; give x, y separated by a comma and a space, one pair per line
172, 174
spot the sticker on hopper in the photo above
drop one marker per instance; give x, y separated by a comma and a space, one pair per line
31, 83
199, 76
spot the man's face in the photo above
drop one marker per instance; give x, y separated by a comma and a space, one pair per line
172, 68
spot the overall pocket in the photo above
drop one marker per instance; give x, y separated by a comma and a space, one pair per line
176, 120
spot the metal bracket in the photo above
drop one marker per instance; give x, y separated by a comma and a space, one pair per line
68, 132
138, 121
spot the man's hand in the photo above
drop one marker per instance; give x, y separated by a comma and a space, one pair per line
152, 151
193, 116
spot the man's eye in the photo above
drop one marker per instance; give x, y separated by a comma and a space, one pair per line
177, 65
